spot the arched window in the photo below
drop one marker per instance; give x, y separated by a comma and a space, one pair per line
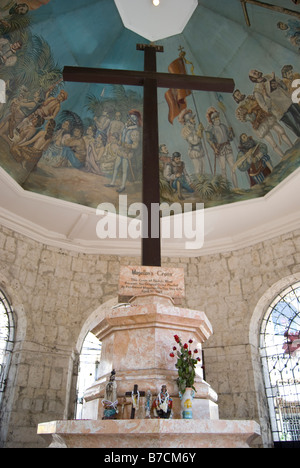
280, 352
88, 366
6, 340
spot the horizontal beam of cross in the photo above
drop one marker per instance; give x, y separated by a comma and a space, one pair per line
137, 78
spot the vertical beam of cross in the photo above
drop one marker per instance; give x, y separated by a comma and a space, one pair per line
151, 241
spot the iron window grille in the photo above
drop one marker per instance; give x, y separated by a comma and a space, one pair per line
6, 340
280, 354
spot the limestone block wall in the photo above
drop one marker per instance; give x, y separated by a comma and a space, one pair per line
54, 292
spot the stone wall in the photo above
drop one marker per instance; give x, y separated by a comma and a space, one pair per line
54, 292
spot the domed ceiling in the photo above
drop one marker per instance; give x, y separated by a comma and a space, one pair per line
67, 141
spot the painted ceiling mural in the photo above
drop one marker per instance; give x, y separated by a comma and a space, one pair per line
83, 142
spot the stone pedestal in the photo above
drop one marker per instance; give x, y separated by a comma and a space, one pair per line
153, 433
137, 340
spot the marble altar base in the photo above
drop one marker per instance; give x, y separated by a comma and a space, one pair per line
137, 338
149, 433
136, 341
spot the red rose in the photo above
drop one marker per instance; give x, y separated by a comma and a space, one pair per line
195, 351
177, 339
190, 341
198, 359
172, 354
190, 352
185, 346
174, 348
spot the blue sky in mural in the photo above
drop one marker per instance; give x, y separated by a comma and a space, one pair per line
82, 143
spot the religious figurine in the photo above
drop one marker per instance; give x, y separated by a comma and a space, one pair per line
135, 399
123, 404
110, 402
148, 404
162, 405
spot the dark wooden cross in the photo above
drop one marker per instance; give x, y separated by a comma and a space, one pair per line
131, 394
150, 80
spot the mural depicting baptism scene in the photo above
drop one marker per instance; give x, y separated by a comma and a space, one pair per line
82, 143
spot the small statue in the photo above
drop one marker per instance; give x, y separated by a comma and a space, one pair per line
148, 404
162, 405
110, 409
110, 402
123, 404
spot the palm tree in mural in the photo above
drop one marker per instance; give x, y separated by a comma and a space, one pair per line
114, 98
35, 68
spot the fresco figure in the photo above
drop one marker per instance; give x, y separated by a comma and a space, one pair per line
292, 31
272, 95
10, 9
91, 153
19, 109
219, 137
109, 153
176, 174
102, 124
13, 7
8, 52
130, 140
49, 108
100, 148
25, 108
164, 158
53, 156
29, 130
116, 126
253, 157
15, 115
19, 8
288, 76
193, 136
30, 152
75, 149
262, 122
